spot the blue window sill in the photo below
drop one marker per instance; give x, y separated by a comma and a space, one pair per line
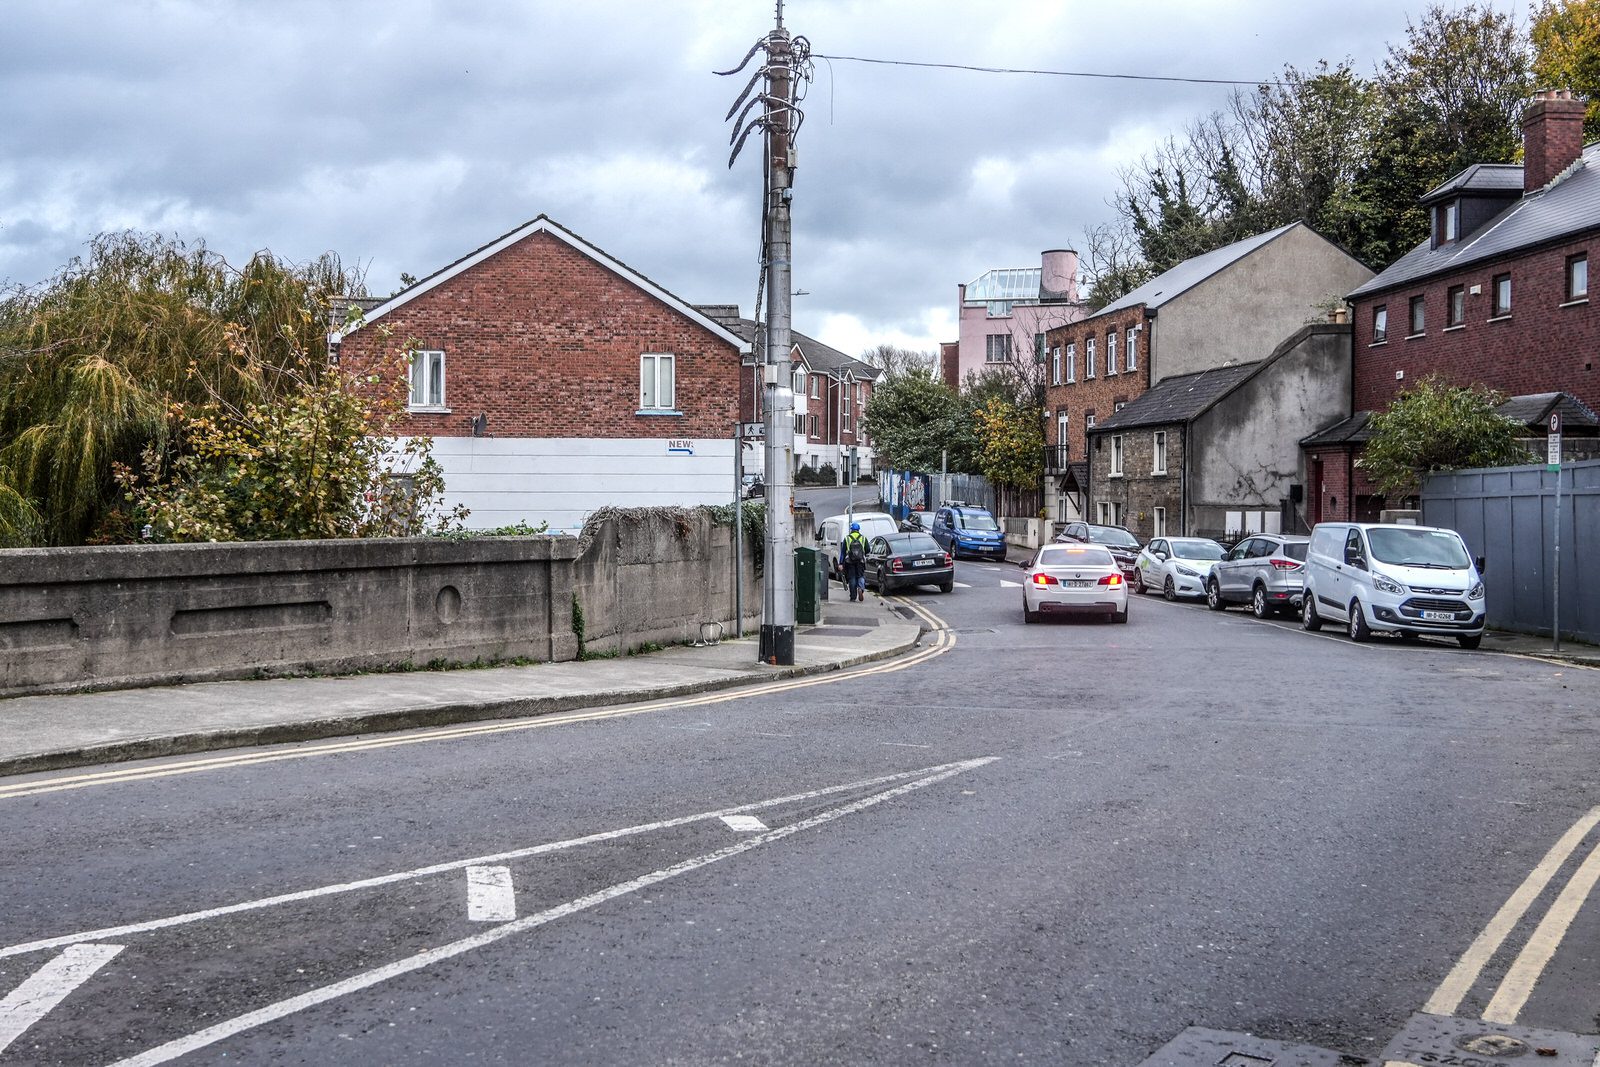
657, 411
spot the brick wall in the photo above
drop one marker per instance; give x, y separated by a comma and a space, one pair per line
1139, 491
1099, 395
1545, 345
545, 342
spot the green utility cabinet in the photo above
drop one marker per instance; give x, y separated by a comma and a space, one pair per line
808, 579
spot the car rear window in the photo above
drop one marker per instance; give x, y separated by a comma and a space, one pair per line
914, 543
1295, 552
1075, 555
1113, 535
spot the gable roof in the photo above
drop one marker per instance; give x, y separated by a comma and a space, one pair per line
544, 224
1352, 430
1173, 283
1569, 205
1180, 398
816, 355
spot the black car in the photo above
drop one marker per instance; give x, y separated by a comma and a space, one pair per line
1119, 539
897, 560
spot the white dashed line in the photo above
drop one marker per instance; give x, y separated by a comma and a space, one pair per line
49, 986
490, 898
744, 823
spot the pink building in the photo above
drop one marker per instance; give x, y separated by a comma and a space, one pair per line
1004, 314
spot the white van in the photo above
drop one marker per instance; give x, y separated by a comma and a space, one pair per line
1409, 580
834, 527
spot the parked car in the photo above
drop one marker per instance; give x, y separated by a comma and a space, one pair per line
1073, 579
834, 527
754, 486
1178, 566
900, 560
1118, 540
1408, 580
967, 530
1266, 571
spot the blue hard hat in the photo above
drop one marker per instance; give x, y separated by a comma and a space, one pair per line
855, 527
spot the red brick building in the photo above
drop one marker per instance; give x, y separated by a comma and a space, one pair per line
1498, 296
555, 380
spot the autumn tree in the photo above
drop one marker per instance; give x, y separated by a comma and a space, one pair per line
1010, 443
1438, 426
1566, 47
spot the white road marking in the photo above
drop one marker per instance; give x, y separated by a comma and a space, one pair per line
490, 897
453, 865
49, 986
272, 1012
1530, 963
903, 744
963, 585
1447, 998
744, 823
1009, 585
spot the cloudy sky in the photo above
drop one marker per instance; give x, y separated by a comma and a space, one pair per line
402, 134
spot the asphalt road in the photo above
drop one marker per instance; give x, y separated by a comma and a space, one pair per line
1060, 843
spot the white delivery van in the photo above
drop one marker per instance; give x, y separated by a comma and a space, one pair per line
1408, 580
834, 527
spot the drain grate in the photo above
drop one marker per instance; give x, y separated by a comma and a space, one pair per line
1200, 1047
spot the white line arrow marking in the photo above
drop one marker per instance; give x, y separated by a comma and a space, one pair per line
744, 823
1009, 585
49, 986
490, 898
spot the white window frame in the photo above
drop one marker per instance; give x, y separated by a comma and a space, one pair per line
1088, 421
994, 342
658, 369
1103, 512
1132, 362
1072, 362
1116, 455
1158, 522
1158, 449
417, 374
1088, 358
799, 382
815, 424
816, 387
1063, 433
1055, 365
1573, 293
1111, 353
1497, 309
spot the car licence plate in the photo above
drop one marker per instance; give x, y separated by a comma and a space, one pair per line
1439, 616
922, 563
1077, 583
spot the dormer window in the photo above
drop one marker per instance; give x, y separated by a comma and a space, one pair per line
1450, 220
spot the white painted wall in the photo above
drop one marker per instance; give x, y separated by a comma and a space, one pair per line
561, 480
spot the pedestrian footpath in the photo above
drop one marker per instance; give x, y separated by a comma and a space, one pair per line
40, 733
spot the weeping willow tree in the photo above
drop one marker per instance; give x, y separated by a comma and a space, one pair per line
96, 364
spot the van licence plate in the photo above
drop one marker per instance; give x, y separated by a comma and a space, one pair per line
1438, 616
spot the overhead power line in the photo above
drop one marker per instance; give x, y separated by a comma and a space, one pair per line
1054, 73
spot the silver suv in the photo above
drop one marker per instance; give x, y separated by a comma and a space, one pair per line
1266, 571
1408, 580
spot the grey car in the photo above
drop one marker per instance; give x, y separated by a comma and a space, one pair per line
1266, 571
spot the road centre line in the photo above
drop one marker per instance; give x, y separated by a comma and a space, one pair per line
454, 865
272, 1012
1447, 998
1525, 971
49, 986
943, 640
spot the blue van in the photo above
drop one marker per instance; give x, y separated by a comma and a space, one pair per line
965, 530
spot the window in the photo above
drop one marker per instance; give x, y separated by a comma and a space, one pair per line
1116, 455
1088, 358
1417, 308
1132, 362
1159, 522
1055, 365
1455, 306
1159, 449
814, 426
657, 385
1063, 435
427, 380
800, 425
1088, 421
799, 382
844, 400
1380, 324
1111, 352
1448, 217
1502, 295
999, 309
1578, 277
999, 348
1038, 348
816, 387
1118, 406
1072, 363
1104, 509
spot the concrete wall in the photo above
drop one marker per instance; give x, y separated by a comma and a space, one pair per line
1243, 312
1244, 452
116, 617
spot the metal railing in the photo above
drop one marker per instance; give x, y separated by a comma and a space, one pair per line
1055, 458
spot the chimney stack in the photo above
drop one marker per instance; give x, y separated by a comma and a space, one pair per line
1058, 280
1552, 136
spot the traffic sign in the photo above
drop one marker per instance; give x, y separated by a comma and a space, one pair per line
752, 429
1552, 459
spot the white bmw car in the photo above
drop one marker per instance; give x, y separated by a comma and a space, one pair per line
1178, 566
1074, 580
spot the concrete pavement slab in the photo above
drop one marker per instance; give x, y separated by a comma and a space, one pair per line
40, 733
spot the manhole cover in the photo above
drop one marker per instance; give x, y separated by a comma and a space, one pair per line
1499, 1046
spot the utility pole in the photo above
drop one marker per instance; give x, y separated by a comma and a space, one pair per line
786, 67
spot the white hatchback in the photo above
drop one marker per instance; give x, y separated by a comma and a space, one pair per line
1074, 580
1178, 566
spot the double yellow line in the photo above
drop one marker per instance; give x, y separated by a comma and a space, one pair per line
942, 641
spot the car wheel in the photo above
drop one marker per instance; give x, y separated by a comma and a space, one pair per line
1121, 616
1214, 599
1138, 582
1309, 619
1469, 641
1028, 616
1169, 590
1359, 630
945, 587
1258, 603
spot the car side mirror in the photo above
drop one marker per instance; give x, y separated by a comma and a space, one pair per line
1160, 555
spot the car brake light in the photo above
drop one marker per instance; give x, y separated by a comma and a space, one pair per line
897, 565
1111, 579
1286, 564
948, 559
1044, 579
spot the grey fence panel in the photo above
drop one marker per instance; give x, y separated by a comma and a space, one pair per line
1507, 515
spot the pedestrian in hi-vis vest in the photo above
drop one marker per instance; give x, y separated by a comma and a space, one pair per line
853, 561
